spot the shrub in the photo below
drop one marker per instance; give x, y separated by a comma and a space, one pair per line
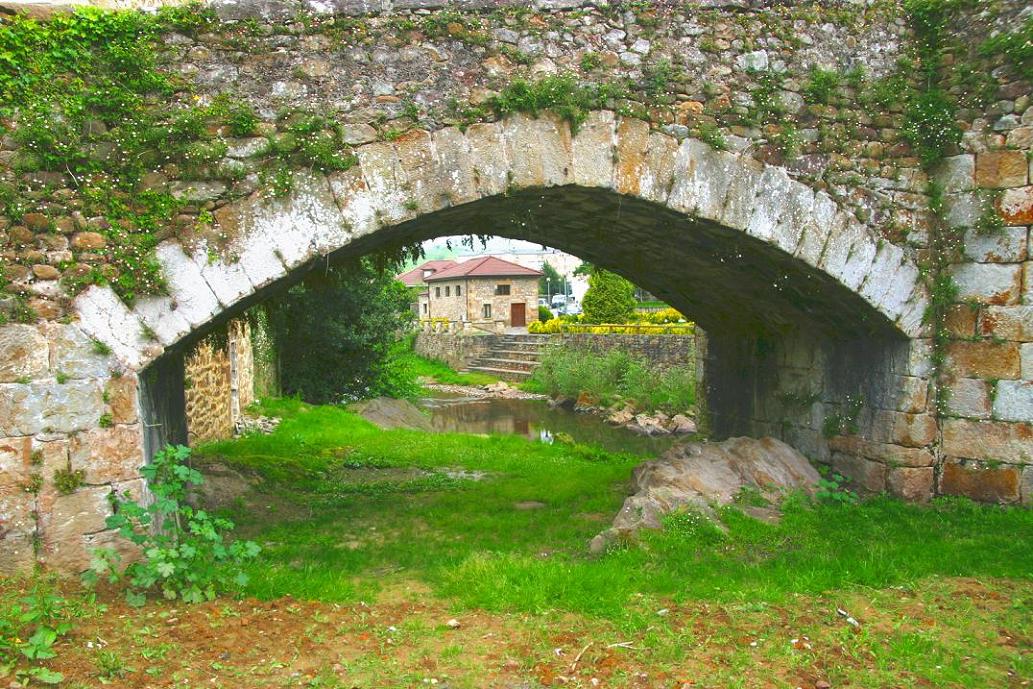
544, 314
550, 326
609, 299
184, 550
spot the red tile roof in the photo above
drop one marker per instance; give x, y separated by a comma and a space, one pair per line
414, 277
487, 267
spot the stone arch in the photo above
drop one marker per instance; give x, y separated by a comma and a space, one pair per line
397, 183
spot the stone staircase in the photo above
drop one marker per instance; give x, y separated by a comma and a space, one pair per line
511, 357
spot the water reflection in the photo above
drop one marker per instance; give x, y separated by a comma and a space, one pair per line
534, 420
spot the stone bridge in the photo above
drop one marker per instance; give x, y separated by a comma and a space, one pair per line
816, 319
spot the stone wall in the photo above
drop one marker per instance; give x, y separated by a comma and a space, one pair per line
455, 349
662, 350
219, 382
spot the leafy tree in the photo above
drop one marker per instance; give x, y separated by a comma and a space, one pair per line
609, 299
334, 333
551, 281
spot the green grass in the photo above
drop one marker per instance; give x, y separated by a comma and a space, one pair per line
441, 372
466, 540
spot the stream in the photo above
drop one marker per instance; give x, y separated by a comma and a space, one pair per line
534, 420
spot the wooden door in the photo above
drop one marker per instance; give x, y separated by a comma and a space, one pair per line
517, 315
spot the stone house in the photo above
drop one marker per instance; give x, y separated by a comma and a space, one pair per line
415, 280
485, 291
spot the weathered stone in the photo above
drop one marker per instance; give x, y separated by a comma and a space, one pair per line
76, 355
969, 397
864, 474
1006, 246
197, 191
358, 134
88, 241
43, 271
988, 283
1001, 169
993, 440
909, 430
984, 359
104, 317
246, 148
1013, 401
72, 516
1016, 206
121, 396
882, 453
1027, 360
916, 484
37, 222
957, 173
539, 150
593, 151
24, 353
1007, 322
108, 455
15, 460
632, 144
980, 481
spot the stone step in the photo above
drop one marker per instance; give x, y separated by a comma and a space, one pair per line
503, 373
502, 362
521, 352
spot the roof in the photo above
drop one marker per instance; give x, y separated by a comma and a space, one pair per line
414, 277
487, 267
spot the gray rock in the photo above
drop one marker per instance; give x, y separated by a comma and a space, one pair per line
23, 353
701, 476
389, 413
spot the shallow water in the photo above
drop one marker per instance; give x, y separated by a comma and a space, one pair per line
534, 420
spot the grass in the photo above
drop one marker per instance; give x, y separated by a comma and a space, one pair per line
466, 540
615, 376
441, 372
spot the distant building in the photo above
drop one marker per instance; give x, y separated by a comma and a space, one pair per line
416, 280
485, 290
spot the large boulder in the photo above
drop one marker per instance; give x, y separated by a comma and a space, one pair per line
702, 476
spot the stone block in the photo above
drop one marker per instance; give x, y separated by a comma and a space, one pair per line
108, 455
24, 353
911, 320
1026, 356
913, 395
883, 453
659, 168
386, 181
454, 157
961, 321
980, 481
1006, 246
1016, 206
956, 173
17, 531
71, 518
962, 210
988, 283
984, 359
162, 319
424, 177
74, 354
490, 160
49, 407
122, 399
593, 151
1014, 401
988, 440
1027, 282
864, 474
15, 462
818, 228
916, 484
358, 210
881, 276
104, 317
908, 430
702, 178
538, 149
224, 275
631, 146
1001, 169
1007, 322
969, 397
858, 261
745, 185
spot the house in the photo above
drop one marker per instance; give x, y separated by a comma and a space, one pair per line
415, 280
485, 291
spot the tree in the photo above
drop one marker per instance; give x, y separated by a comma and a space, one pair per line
334, 333
551, 282
609, 299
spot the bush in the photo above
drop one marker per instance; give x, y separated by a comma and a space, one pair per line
609, 299
550, 326
185, 553
568, 372
544, 314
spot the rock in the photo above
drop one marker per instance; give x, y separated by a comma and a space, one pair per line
644, 424
701, 476
88, 241
197, 191
263, 425
499, 388
24, 353
682, 425
525, 505
621, 417
389, 413
357, 134
44, 272
453, 624
586, 401
37, 222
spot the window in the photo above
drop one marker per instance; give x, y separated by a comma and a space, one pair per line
486, 310
448, 291
427, 272
437, 291
424, 307
459, 291
502, 290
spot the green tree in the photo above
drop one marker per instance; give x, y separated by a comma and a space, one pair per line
335, 332
609, 299
551, 281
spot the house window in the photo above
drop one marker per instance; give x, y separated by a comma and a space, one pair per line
448, 291
459, 291
427, 272
424, 307
437, 291
486, 310
502, 290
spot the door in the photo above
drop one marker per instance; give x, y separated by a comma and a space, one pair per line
517, 315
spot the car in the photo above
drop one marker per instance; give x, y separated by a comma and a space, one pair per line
542, 301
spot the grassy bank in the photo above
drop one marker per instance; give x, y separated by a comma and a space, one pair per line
613, 377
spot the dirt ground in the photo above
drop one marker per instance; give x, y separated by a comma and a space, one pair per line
408, 638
